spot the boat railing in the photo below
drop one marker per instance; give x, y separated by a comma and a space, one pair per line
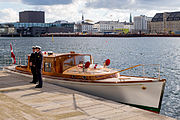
143, 69
8, 61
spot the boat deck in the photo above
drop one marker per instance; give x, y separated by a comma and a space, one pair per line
128, 79
120, 78
89, 72
105, 71
20, 100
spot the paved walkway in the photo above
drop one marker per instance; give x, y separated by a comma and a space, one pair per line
19, 100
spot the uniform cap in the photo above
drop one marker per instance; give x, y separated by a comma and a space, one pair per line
38, 47
33, 47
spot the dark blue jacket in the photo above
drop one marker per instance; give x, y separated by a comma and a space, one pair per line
33, 58
39, 60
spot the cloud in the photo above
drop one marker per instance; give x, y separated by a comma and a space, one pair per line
95, 10
8, 15
70, 12
75, 10
46, 2
10, 0
133, 4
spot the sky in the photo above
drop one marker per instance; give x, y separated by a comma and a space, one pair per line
95, 10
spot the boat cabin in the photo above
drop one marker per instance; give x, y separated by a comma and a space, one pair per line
71, 65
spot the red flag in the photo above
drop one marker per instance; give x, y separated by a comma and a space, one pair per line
12, 54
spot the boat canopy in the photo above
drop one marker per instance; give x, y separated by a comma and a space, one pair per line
58, 63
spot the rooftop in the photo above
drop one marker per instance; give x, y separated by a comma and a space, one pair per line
158, 17
171, 16
174, 16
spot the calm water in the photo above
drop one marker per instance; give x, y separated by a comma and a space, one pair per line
122, 52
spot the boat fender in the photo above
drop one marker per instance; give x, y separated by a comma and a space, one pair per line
87, 64
107, 62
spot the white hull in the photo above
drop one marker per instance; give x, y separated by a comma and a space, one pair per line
129, 93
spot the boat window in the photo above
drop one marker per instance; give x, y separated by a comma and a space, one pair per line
68, 63
82, 59
76, 60
79, 60
47, 67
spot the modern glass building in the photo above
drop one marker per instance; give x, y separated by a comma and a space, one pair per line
36, 29
26, 25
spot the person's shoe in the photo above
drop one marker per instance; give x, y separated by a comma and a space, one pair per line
32, 82
37, 86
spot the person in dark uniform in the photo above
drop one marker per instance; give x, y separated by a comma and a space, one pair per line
33, 64
39, 60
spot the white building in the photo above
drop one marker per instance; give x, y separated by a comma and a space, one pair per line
140, 23
87, 27
108, 26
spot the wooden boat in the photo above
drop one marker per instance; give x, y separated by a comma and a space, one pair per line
77, 71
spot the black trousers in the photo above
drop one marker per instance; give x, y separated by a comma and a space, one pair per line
33, 70
39, 77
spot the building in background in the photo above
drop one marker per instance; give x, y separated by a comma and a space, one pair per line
129, 26
113, 27
32, 23
166, 23
108, 26
7, 30
62, 27
84, 26
36, 29
149, 19
78, 28
157, 24
140, 24
32, 17
130, 18
87, 27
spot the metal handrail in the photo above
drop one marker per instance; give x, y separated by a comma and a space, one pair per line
19, 60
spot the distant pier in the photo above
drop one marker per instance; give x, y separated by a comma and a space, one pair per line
19, 100
109, 35
94, 35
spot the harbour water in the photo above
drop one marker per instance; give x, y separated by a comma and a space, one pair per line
123, 52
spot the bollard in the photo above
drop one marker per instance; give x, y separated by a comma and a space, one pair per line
74, 102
